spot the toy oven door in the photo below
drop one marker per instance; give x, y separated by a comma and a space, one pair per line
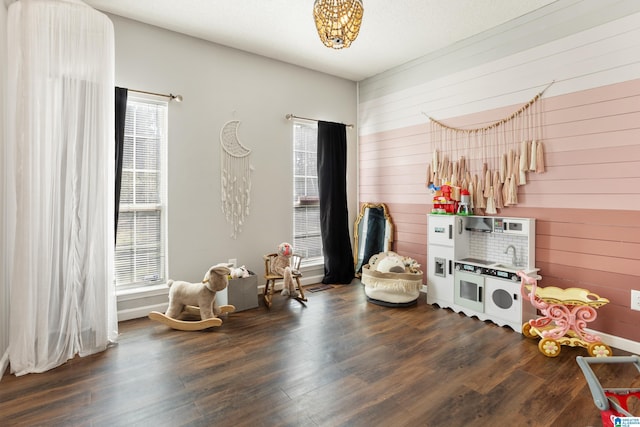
469, 290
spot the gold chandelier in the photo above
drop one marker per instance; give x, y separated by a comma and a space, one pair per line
338, 21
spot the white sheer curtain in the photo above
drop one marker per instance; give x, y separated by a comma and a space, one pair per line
59, 170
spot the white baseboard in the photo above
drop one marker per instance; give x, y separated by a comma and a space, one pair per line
140, 305
610, 340
142, 301
617, 342
306, 281
142, 311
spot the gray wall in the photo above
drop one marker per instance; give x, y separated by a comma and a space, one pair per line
221, 84
218, 84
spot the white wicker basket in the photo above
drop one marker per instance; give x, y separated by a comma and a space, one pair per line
394, 288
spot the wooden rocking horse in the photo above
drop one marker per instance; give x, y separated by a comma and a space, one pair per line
189, 301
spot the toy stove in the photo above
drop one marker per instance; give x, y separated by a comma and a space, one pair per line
486, 268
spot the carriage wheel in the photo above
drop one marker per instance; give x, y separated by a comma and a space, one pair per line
598, 349
526, 330
549, 347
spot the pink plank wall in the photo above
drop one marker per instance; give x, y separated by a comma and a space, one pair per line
586, 204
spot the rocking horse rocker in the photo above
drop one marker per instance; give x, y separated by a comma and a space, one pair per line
189, 300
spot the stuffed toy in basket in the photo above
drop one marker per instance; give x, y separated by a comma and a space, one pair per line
392, 280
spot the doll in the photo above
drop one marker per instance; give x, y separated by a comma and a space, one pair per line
281, 265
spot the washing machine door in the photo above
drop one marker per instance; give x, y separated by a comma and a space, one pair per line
503, 300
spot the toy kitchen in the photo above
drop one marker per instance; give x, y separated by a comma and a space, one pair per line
472, 265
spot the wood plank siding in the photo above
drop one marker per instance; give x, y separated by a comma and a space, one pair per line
587, 202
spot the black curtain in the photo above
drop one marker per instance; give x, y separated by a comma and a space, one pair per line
121, 114
332, 189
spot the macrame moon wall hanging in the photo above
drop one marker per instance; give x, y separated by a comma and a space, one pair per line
235, 180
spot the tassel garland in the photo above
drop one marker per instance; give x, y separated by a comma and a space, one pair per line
539, 158
490, 161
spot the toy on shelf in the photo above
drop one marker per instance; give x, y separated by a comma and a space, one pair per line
464, 207
445, 199
565, 314
239, 272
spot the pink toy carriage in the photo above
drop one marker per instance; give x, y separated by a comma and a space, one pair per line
565, 314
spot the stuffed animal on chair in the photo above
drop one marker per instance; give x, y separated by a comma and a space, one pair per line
281, 265
202, 295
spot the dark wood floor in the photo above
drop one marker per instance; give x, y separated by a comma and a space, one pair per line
340, 361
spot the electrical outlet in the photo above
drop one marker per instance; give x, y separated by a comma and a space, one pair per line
635, 300
233, 261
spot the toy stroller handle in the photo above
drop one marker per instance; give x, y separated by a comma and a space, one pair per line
599, 398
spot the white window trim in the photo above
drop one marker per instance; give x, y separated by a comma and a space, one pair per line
123, 291
307, 263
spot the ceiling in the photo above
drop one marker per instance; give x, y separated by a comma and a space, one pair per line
392, 33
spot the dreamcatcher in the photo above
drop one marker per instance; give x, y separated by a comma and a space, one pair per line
235, 180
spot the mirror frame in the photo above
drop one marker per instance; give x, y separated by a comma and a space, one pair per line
356, 233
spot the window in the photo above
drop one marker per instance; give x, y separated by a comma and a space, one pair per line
307, 240
140, 242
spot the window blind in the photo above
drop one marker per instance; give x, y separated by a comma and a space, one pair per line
307, 239
140, 251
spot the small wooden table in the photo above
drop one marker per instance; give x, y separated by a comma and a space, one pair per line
565, 314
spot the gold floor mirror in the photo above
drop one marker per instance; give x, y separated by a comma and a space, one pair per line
373, 233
